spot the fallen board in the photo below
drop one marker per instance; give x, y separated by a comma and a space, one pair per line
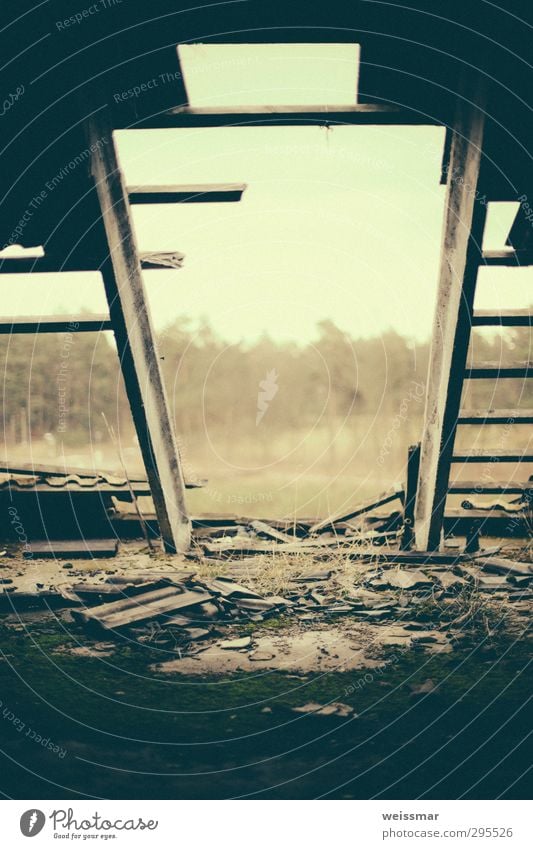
359, 510
71, 549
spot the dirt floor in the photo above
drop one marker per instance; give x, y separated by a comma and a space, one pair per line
356, 689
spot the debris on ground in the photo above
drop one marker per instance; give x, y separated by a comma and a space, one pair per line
331, 709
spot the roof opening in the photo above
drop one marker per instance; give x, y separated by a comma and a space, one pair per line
270, 74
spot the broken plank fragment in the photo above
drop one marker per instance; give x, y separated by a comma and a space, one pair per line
142, 607
271, 533
162, 259
502, 566
405, 579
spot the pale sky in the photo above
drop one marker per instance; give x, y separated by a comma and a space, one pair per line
341, 223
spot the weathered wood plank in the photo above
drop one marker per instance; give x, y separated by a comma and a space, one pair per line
193, 193
488, 371
495, 455
72, 549
359, 510
219, 116
503, 318
464, 221
54, 324
136, 341
495, 417
490, 488
413, 466
508, 257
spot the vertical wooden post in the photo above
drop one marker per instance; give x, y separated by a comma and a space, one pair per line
413, 465
464, 221
136, 343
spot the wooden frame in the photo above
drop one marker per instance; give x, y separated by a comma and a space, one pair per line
461, 253
136, 342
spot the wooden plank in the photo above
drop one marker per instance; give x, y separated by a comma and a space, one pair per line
490, 371
502, 566
503, 318
72, 549
508, 257
464, 221
308, 547
270, 532
494, 455
136, 342
54, 265
219, 116
54, 324
413, 466
139, 608
490, 488
359, 510
495, 417
46, 265
161, 259
193, 193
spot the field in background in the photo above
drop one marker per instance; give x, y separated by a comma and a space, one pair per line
278, 429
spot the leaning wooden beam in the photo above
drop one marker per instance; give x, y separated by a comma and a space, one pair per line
464, 221
219, 116
360, 510
136, 341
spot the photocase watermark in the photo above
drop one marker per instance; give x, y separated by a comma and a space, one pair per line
370, 677
65, 824
88, 12
148, 85
268, 389
29, 732
32, 822
526, 208
457, 176
50, 186
62, 377
18, 527
11, 99
416, 393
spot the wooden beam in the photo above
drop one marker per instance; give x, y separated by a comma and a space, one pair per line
136, 342
494, 455
494, 371
508, 257
495, 488
195, 193
365, 507
502, 318
413, 466
55, 324
464, 221
495, 417
220, 116
50, 264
